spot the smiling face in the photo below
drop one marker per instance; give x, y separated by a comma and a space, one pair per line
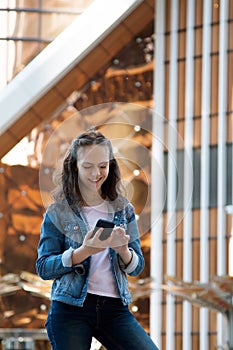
93, 169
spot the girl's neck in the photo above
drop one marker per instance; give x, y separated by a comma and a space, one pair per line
92, 200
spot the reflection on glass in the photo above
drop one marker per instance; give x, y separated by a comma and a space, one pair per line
28, 26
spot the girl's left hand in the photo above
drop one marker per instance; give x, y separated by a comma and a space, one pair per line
119, 239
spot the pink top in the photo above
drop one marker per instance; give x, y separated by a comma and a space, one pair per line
101, 279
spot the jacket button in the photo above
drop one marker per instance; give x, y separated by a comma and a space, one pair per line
75, 228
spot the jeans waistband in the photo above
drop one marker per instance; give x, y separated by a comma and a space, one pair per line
96, 298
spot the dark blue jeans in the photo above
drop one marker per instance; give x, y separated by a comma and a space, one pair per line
106, 319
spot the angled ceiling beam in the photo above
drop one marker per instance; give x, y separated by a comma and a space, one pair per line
67, 64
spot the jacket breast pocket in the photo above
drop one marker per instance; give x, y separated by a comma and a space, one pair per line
73, 233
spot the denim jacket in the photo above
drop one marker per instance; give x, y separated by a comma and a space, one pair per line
62, 231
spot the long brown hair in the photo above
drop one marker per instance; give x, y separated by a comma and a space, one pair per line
68, 185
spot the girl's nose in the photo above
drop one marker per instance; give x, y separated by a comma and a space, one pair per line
95, 171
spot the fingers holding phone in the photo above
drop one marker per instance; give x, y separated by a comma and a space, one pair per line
92, 242
99, 237
106, 234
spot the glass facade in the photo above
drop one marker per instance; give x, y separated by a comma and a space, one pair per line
28, 26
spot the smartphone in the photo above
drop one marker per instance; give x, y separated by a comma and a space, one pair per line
108, 227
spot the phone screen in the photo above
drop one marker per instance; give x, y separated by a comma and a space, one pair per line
108, 227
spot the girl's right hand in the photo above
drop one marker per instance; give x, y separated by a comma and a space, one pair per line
93, 242
91, 245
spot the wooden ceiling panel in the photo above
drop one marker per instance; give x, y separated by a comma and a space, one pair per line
28, 121
117, 40
22, 126
49, 103
141, 17
7, 142
73, 80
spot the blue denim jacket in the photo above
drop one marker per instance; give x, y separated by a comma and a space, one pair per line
62, 231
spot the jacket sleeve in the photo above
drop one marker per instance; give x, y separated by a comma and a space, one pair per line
49, 263
137, 263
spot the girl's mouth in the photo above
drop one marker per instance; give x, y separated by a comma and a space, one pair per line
96, 181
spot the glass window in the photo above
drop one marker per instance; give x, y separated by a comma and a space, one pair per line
213, 186
28, 26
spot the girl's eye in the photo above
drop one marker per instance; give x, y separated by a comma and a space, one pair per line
104, 165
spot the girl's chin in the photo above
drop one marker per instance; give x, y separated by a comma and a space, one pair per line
95, 185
